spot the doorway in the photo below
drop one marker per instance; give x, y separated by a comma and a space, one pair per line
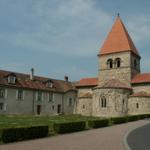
38, 109
58, 108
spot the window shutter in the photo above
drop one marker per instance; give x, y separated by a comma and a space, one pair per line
23, 94
5, 93
5, 107
36, 96
16, 94
42, 96
53, 97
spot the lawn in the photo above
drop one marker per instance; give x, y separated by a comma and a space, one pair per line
18, 121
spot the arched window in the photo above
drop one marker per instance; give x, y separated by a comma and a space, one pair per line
117, 62
109, 63
103, 102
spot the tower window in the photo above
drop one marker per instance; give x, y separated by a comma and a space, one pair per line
118, 62
110, 63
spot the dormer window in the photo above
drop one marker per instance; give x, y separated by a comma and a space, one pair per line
49, 83
109, 63
12, 78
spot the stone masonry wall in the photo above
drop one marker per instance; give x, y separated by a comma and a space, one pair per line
124, 73
141, 88
138, 105
84, 106
116, 102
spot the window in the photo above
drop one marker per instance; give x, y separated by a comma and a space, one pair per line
70, 102
50, 97
53, 107
12, 78
49, 83
20, 94
2, 93
83, 106
1, 106
109, 63
103, 102
137, 105
123, 101
135, 63
117, 62
39, 96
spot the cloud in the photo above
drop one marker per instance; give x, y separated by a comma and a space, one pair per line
68, 28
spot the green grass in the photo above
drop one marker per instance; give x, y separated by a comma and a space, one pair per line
17, 121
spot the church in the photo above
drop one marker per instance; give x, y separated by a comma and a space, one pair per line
119, 89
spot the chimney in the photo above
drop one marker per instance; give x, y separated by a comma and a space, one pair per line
66, 78
32, 74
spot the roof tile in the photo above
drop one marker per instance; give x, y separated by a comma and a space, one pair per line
141, 78
118, 40
87, 82
39, 83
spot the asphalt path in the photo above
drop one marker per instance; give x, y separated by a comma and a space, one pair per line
139, 139
109, 138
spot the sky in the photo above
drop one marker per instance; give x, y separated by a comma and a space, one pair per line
63, 37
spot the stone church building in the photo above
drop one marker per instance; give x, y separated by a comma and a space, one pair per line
120, 88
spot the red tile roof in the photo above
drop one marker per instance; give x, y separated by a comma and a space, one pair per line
39, 83
114, 83
87, 82
141, 78
141, 94
118, 40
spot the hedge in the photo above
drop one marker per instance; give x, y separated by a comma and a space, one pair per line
118, 120
68, 127
23, 133
98, 123
133, 118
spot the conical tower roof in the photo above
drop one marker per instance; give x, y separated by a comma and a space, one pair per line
118, 40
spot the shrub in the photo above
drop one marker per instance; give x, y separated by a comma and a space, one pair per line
98, 123
68, 127
143, 116
133, 118
23, 133
119, 120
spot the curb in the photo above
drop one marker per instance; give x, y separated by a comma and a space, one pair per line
127, 147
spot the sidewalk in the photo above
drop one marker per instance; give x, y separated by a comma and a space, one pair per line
109, 138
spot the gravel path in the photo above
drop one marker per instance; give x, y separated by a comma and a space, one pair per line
109, 138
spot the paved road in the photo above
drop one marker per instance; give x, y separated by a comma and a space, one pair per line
109, 138
139, 139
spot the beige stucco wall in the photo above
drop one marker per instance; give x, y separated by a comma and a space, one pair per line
28, 105
143, 102
67, 108
15, 106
